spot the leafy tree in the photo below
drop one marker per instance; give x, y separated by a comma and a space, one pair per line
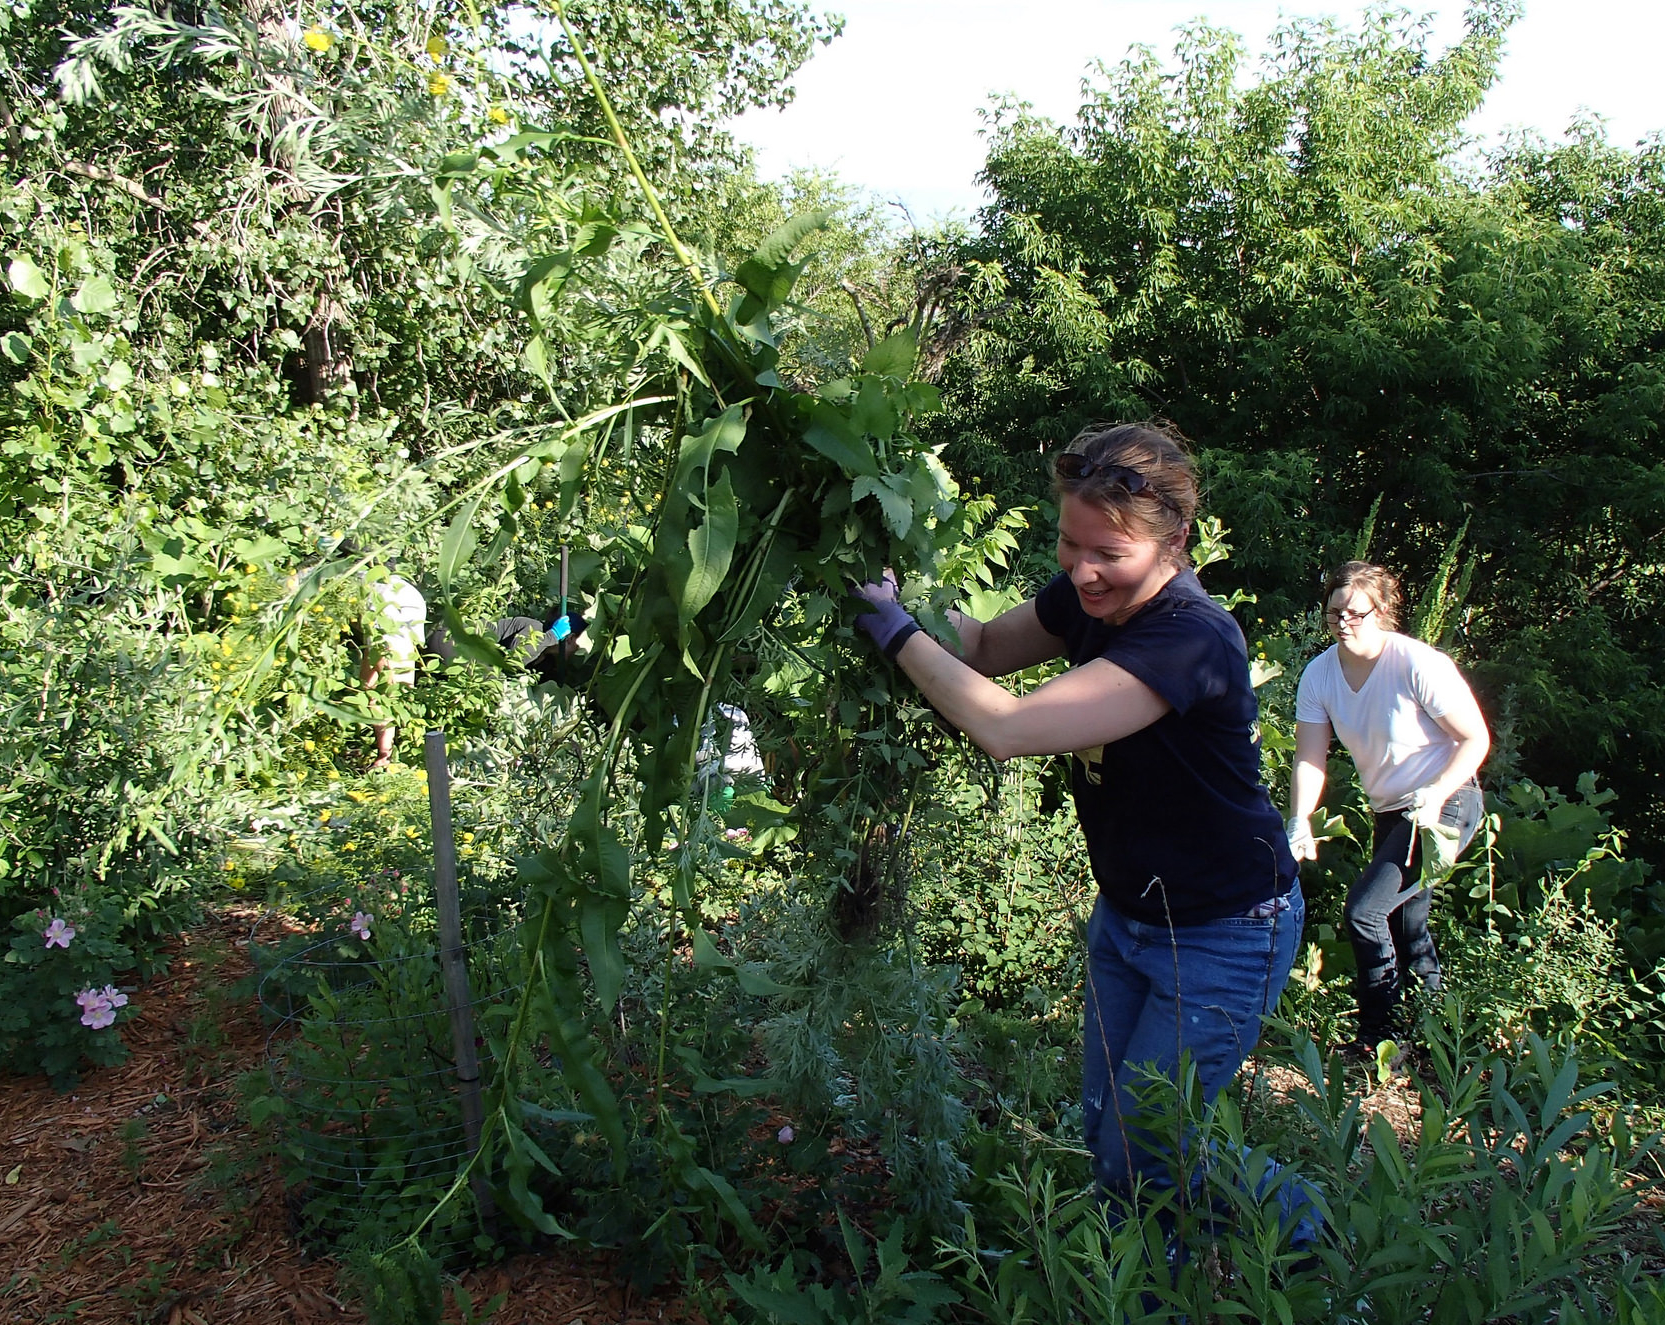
242, 320
1310, 279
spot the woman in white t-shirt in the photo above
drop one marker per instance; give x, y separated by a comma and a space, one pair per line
395, 617
1410, 722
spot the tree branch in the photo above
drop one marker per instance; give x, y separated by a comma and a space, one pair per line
132, 188
866, 326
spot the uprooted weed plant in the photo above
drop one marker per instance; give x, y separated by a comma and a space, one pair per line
818, 1028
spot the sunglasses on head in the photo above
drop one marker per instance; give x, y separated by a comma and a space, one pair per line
1072, 467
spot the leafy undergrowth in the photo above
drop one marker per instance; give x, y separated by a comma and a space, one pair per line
132, 1199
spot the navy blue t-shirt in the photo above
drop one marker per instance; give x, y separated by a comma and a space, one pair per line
1179, 828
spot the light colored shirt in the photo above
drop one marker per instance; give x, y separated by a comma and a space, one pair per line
1389, 724
397, 617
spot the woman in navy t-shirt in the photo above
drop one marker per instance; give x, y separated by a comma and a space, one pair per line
1199, 910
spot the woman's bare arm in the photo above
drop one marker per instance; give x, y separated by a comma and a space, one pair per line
1011, 642
1306, 779
1089, 705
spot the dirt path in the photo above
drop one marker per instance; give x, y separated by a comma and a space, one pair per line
131, 1198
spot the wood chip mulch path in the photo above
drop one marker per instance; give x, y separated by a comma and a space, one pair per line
131, 1198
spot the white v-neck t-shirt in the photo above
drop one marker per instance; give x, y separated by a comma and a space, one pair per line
1389, 723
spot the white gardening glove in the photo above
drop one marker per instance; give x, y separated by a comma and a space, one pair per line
1301, 843
1424, 809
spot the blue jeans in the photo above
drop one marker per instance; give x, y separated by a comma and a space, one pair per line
1386, 914
1154, 993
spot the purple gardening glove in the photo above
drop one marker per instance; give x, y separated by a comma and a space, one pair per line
888, 623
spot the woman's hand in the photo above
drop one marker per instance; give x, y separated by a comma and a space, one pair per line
1424, 809
1301, 842
889, 624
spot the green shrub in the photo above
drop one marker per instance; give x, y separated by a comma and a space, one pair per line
59, 1003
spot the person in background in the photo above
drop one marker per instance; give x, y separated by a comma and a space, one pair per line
1199, 907
542, 651
1411, 723
395, 614
727, 751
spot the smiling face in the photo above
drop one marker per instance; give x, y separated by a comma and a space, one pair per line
1113, 574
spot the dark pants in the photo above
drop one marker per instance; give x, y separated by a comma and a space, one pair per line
1386, 915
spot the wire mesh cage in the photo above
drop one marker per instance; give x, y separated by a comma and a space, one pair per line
363, 1059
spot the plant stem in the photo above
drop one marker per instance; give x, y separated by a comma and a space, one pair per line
683, 255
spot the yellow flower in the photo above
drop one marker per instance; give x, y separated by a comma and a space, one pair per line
228, 866
318, 40
436, 49
307, 745
497, 115
468, 837
334, 776
439, 85
323, 816
410, 832
349, 846
357, 797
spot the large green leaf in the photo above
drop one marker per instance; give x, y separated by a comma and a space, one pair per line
96, 295
724, 432
468, 642
830, 433
783, 241
769, 274
540, 286
678, 350
572, 1043
873, 413
894, 356
897, 507
27, 279
260, 550
458, 544
520, 1153
711, 546
599, 921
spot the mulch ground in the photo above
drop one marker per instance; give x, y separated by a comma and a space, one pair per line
132, 1198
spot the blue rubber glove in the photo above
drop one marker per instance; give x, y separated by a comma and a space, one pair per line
565, 627
889, 623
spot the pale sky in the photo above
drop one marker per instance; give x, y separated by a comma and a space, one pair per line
892, 105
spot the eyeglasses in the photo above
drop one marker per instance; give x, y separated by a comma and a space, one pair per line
1072, 467
1346, 614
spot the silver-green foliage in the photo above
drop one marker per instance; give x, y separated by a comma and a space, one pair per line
860, 1039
